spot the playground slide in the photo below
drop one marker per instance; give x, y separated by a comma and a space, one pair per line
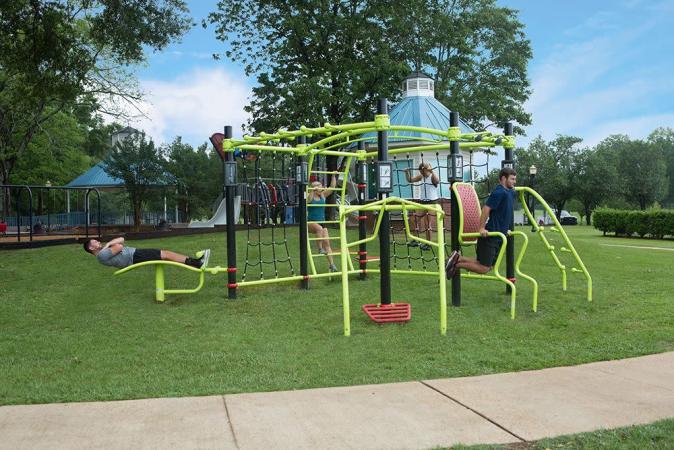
220, 216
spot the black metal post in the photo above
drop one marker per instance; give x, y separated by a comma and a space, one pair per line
302, 212
231, 226
510, 248
532, 204
18, 214
454, 208
361, 167
385, 227
48, 212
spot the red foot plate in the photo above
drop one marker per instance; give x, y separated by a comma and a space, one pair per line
395, 312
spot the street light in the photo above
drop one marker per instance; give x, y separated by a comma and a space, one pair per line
48, 184
532, 176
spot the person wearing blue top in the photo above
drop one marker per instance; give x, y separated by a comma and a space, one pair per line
316, 218
497, 215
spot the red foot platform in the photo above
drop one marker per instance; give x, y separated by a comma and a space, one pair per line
395, 312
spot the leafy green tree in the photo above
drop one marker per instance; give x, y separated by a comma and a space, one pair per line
663, 139
329, 60
642, 171
595, 179
476, 51
199, 178
314, 61
140, 165
56, 54
555, 163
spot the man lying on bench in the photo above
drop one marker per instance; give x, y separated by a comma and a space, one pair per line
116, 254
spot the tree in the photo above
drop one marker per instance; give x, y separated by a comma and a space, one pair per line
329, 60
642, 170
554, 160
475, 50
139, 164
315, 61
663, 139
595, 179
62, 53
199, 178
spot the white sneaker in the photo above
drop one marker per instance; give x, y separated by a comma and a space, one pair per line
205, 257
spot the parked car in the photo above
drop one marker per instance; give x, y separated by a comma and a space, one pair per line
565, 218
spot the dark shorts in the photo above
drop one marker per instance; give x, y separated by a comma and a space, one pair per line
146, 254
487, 250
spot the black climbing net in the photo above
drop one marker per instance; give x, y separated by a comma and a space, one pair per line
268, 200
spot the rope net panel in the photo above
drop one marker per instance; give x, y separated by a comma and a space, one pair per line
268, 201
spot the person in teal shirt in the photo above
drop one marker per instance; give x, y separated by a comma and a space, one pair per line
316, 217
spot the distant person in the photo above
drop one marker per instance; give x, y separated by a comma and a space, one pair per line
316, 218
116, 254
428, 193
497, 215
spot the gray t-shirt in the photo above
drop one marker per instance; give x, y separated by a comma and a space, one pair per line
120, 260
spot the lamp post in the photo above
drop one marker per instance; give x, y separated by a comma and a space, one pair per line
532, 177
48, 184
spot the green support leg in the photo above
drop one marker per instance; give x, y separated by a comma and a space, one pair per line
159, 283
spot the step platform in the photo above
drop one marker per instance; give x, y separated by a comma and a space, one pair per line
395, 312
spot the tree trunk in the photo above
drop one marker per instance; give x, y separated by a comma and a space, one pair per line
588, 214
137, 216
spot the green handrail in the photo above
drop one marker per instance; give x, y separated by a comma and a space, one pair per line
558, 227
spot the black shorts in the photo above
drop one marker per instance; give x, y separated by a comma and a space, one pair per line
487, 250
146, 254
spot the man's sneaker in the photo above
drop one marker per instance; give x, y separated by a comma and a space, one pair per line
333, 268
450, 267
425, 247
413, 244
197, 263
204, 258
322, 251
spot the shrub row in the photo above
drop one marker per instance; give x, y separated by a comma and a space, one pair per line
656, 223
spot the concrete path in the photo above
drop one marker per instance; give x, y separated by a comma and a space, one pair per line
503, 408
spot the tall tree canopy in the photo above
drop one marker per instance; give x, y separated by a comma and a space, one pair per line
328, 60
58, 53
140, 164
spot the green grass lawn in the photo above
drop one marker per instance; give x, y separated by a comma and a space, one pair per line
70, 331
656, 436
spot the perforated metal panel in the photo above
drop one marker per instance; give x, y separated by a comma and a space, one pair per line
470, 204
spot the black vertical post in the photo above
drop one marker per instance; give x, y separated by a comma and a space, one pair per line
510, 248
302, 212
385, 227
361, 167
18, 214
48, 212
454, 208
87, 212
98, 214
231, 226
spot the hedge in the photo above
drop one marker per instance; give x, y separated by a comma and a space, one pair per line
656, 223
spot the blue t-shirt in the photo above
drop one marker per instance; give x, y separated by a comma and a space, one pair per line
316, 213
501, 202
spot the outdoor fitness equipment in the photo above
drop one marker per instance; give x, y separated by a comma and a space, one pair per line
292, 161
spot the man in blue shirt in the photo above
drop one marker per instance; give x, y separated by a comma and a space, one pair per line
497, 215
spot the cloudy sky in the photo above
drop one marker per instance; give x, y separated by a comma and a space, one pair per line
600, 67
